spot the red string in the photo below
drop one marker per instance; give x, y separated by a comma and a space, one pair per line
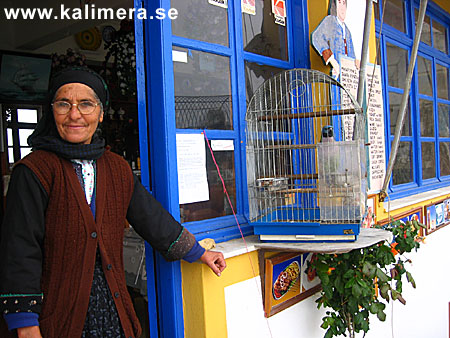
234, 214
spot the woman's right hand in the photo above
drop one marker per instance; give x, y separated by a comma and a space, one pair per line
29, 332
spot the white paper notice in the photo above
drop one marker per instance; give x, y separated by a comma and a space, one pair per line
375, 118
222, 145
191, 160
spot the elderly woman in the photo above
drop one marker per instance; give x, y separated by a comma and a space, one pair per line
61, 266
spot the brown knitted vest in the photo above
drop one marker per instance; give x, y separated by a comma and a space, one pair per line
72, 237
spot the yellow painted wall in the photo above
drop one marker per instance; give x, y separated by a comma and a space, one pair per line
204, 297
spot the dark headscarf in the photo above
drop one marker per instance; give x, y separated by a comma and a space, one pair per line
46, 136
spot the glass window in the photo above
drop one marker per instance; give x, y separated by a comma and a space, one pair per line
199, 20
9, 136
27, 115
23, 136
395, 101
428, 160
256, 75
425, 76
440, 37
24, 152
218, 203
10, 155
261, 35
394, 14
442, 82
444, 163
426, 118
425, 37
202, 90
397, 61
403, 166
444, 117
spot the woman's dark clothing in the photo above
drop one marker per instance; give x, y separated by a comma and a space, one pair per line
146, 215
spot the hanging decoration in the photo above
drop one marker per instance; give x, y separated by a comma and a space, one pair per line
89, 39
71, 58
122, 50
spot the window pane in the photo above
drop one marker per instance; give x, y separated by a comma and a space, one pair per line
426, 118
394, 14
255, 75
444, 123
10, 155
395, 100
23, 136
24, 152
27, 115
444, 163
9, 136
397, 59
202, 90
425, 76
425, 37
403, 169
442, 81
199, 20
428, 160
218, 203
262, 35
440, 37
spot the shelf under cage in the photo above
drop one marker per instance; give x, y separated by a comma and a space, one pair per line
306, 171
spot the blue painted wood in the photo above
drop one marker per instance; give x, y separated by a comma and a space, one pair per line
143, 151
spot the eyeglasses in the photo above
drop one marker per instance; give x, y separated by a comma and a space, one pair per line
84, 107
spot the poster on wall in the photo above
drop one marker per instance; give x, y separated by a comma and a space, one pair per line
287, 280
437, 215
24, 77
248, 7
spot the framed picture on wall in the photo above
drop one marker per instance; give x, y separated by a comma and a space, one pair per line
369, 219
24, 77
286, 281
437, 215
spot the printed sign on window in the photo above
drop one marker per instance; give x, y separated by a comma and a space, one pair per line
220, 3
248, 6
279, 7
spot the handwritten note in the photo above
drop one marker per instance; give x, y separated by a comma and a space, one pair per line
375, 118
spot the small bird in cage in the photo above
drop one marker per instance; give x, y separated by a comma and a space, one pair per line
329, 156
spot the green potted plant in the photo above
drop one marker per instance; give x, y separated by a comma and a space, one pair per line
359, 283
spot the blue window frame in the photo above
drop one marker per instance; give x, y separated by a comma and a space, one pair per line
424, 151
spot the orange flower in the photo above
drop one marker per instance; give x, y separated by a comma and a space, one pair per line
329, 270
393, 245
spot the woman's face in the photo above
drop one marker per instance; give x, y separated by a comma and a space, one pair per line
341, 9
75, 127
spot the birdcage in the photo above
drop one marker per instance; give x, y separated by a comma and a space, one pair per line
306, 162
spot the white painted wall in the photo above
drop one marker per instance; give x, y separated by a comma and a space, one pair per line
424, 315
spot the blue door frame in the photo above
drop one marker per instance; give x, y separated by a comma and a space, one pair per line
157, 130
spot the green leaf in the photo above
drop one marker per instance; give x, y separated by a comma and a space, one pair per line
381, 315
369, 269
339, 284
382, 276
356, 290
350, 273
321, 267
350, 283
373, 308
410, 279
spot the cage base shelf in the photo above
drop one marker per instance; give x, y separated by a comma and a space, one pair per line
307, 232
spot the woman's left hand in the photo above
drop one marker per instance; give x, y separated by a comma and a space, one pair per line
214, 260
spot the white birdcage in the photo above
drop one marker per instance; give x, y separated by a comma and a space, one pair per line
306, 162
